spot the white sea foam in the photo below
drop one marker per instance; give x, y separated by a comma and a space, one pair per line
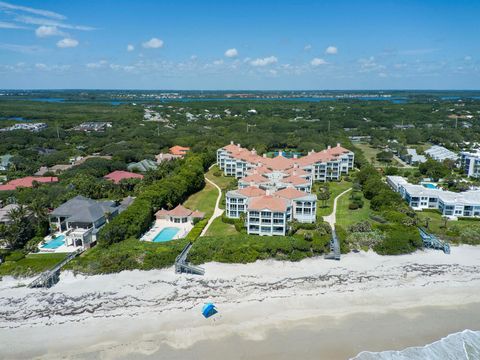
463, 345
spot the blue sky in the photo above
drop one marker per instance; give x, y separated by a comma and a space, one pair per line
116, 44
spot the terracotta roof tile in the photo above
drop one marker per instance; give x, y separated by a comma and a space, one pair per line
251, 191
268, 202
290, 193
119, 175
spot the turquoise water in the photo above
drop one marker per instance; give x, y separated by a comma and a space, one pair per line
55, 243
429, 186
166, 234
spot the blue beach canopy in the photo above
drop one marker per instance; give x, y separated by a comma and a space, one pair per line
209, 310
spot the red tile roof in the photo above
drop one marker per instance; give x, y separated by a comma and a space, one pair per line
290, 193
278, 163
295, 180
180, 211
255, 178
27, 182
251, 191
179, 150
119, 175
268, 202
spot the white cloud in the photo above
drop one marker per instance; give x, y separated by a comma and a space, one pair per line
153, 43
40, 66
317, 62
218, 62
67, 43
9, 25
467, 58
97, 65
264, 61
25, 49
231, 53
45, 13
130, 47
45, 31
49, 22
331, 50
307, 47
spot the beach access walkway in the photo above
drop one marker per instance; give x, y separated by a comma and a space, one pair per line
331, 220
217, 212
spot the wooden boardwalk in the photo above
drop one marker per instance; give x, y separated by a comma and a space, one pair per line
50, 277
183, 266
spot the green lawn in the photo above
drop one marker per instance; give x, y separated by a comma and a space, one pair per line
204, 200
370, 154
219, 228
31, 264
435, 224
347, 217
336, 188
222, 181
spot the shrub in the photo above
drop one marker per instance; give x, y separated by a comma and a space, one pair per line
15, 256
353, 206
399, 239
196, 230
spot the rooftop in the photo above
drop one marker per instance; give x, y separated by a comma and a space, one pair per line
119, 175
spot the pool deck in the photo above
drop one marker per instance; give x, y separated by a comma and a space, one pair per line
162, 224
61, 249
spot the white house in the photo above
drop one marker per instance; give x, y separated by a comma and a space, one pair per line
451, 204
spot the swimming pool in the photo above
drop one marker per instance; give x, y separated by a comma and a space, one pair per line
430, 186
55, 243
166, 234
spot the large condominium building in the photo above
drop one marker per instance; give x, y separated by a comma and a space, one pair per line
325, 165
470, 162
451, 204
274, 191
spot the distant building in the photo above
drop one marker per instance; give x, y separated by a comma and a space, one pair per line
33, 127
5, 161
451, 204
119, 175
413, 158
142, 166
165, 157
440, 153
179, 150
5, 213
93, 126
27, 182
470, 163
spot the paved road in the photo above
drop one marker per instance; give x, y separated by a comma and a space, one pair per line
332, 218
217, 212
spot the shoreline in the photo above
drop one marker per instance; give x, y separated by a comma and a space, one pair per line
140, 314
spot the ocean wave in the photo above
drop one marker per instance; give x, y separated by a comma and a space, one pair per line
463, 345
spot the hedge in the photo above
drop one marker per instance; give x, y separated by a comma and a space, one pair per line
196, 230
164, 193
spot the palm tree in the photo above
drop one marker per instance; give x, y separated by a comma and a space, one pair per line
39, 214
427, 221
445, 220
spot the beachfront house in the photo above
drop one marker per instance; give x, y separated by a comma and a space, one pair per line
118, 175
80, 219
428, 196
179, 215
27, 182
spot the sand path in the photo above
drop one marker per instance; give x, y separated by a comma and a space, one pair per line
332, 218
217, 212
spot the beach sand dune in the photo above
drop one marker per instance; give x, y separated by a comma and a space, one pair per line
313, 309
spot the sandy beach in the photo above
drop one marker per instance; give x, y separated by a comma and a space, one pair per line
267, 310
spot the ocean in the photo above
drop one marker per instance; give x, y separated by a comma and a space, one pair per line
463, 345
